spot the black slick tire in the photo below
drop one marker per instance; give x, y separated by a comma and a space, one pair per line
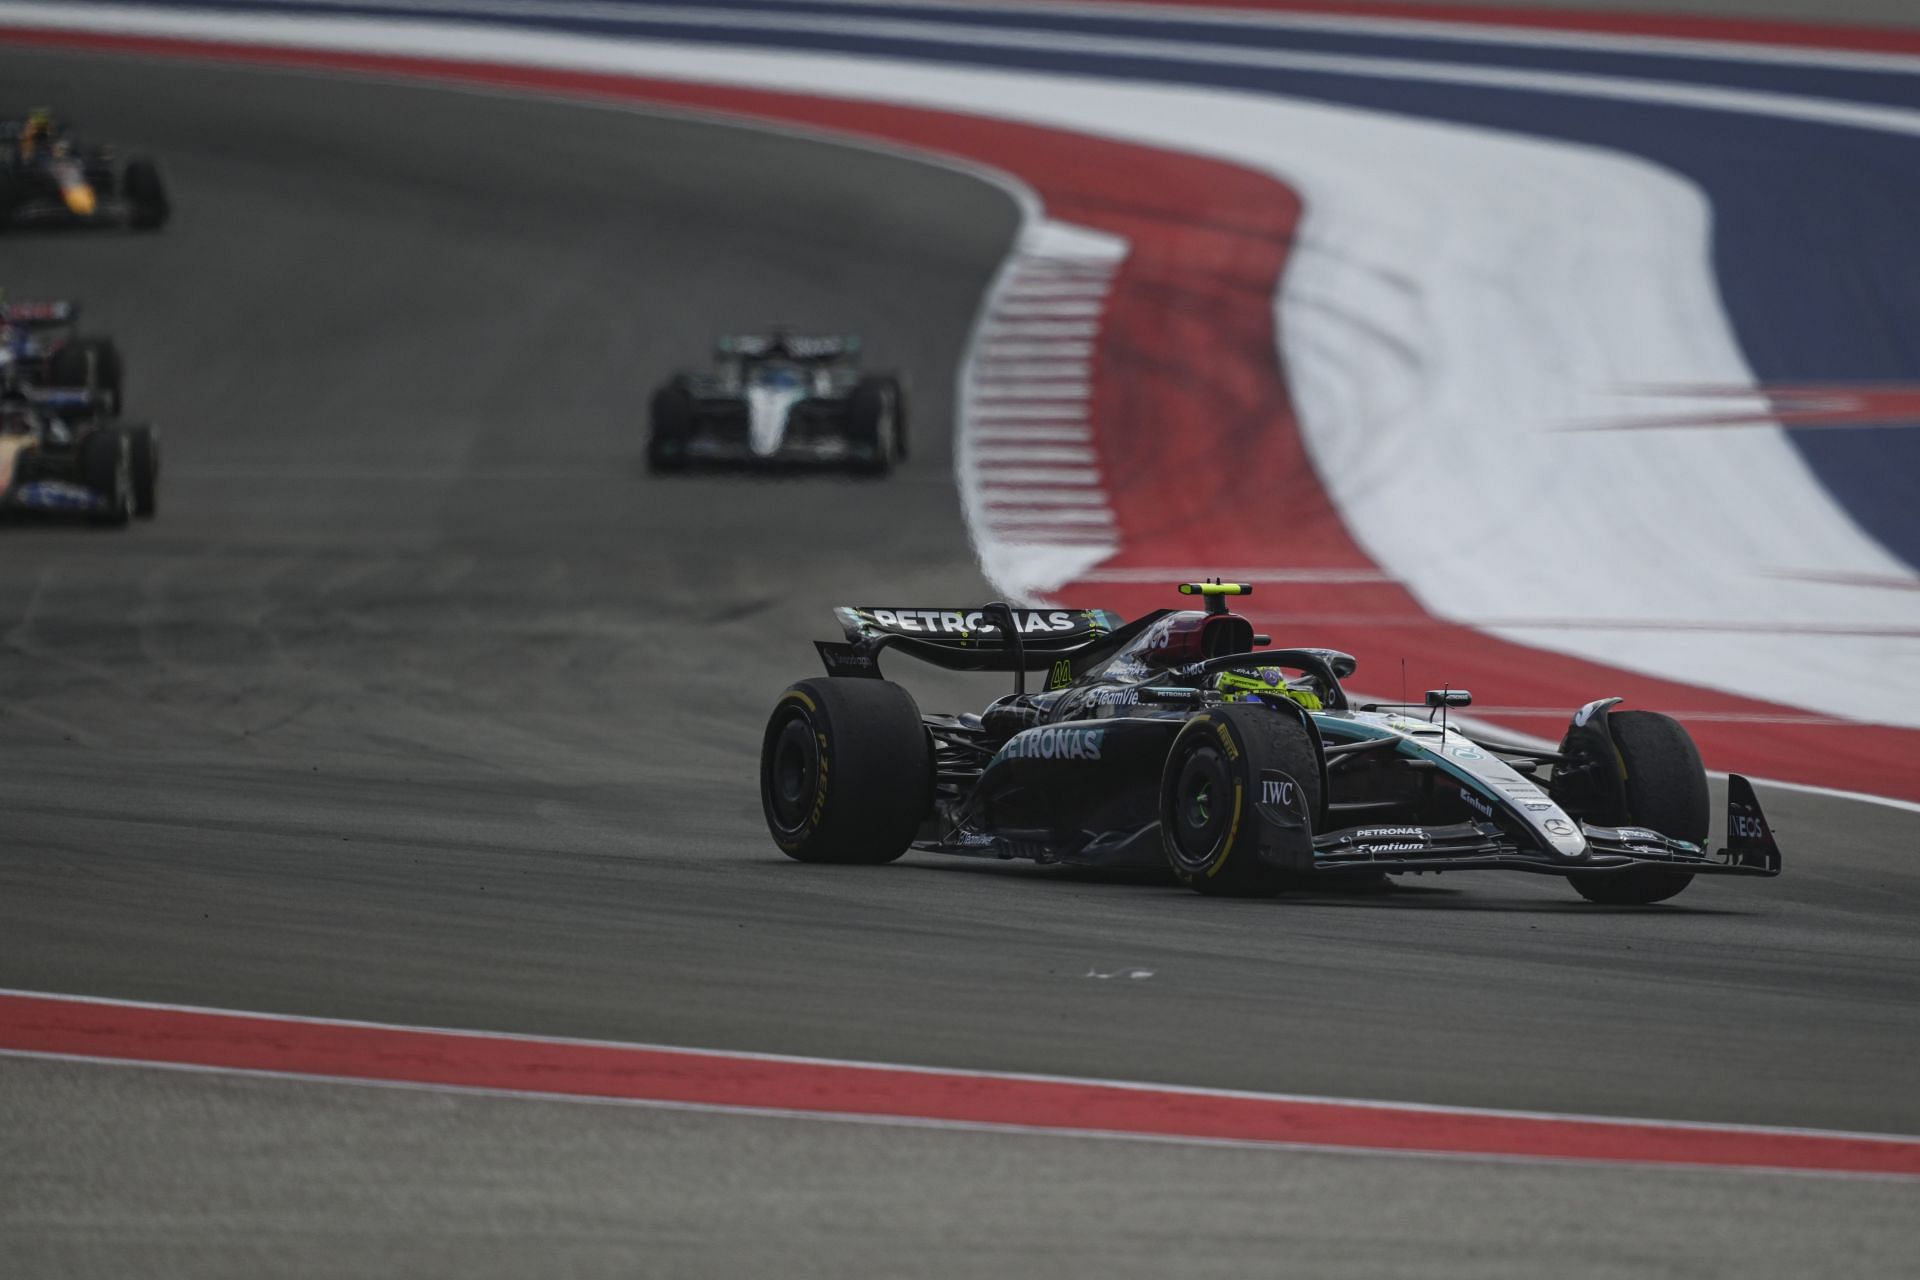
92, 364
147, 206
872, 434
1208, 787
106, 466
1667, 792
669, 424
846, 771
897, 400
143, 449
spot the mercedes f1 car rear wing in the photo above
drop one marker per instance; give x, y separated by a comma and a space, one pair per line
804, 347
1067, 643
992, 637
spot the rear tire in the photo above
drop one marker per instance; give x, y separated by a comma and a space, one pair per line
1667, 792
92, 364
1208, 789
147, 206
106, 465
669, 426
846, 772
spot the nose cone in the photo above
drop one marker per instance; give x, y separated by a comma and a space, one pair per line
80, 199
769, 401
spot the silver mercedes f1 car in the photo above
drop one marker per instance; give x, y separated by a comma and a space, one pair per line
1183, 740
780, 399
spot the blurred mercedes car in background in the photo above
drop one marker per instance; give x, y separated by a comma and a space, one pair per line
780, 399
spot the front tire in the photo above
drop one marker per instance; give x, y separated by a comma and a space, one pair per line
872, 429
1208, 789
669, 426
147, 206
1667, 792
143, 448
846, 771
897, 400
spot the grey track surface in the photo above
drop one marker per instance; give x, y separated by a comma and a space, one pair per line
280, 1178
421, 702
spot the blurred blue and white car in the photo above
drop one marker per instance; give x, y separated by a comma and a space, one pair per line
40, 346
779, 399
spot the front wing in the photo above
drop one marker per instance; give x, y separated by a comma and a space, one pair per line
54, 497
723, 437
718, 449
1485, 846
47, 211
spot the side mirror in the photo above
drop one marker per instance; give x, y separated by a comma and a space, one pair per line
1449, 698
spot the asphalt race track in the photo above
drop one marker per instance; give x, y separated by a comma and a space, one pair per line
422, 702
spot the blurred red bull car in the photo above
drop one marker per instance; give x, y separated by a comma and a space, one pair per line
49, 179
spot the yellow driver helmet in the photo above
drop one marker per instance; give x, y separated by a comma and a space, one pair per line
36, 132
1243, 686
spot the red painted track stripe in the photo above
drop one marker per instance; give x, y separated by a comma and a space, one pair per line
219, 1040
1209, 243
